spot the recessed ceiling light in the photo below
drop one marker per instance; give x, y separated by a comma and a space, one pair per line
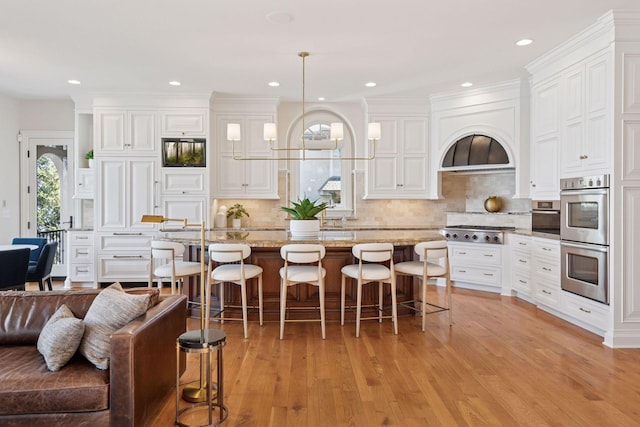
274, 84
524, 42
73, 82
370, 84
321, 98
278, 17
175, 83
466, 84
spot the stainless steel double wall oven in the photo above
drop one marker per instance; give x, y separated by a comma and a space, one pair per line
584, 234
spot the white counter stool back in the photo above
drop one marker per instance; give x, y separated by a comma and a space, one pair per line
167, 263
370, 269
294, 274
433, 264
234, 270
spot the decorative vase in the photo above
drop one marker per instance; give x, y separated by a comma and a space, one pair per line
492, 204
236, 222
90, 163
304, 228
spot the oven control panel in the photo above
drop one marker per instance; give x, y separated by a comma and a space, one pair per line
585, 182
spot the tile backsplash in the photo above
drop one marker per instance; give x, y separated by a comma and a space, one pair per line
463, 194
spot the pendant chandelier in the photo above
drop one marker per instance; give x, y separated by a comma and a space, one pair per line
270, 134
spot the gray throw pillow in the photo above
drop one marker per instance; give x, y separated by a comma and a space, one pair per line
60, 338
111, 310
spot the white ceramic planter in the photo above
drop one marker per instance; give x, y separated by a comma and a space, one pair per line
236, 222
302, 228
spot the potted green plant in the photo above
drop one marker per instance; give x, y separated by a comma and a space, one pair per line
89, 157
236, 212
304, 222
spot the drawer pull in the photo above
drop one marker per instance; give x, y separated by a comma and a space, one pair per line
546, 249
128, 256
544, 291
462, 253
488, 274
524, 261
82, 252
127, 234
522, 244
81, 270
524, 282
585, 310
462, 271
82, 237
546, 268
489, 255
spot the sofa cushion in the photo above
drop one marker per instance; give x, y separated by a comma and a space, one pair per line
111, 310
60, 338
28, 387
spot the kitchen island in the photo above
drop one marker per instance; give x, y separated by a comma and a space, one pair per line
265, 245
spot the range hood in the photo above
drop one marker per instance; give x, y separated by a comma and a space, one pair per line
476, 152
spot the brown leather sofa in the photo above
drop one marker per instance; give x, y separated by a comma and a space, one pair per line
140, 377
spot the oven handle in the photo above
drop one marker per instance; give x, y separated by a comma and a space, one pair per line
598, 248
546, 212
587, 192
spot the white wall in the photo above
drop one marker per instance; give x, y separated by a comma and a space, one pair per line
9, 170
20, 115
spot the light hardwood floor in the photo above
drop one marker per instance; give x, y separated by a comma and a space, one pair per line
502, 363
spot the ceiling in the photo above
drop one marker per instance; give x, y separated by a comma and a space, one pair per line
408, 47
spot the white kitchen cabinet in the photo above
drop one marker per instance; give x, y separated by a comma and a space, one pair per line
586, 313
193, 208
185, 181
476, 266
586, 117
244, 179
125, 132
520, 250
85, 184
124, 256
126, 192
189, 122
545, 140
80, 261
400, 168
545, 272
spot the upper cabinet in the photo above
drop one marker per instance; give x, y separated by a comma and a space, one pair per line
244, 179
400, 167
586, 117
128, 132
545, 140
190, 122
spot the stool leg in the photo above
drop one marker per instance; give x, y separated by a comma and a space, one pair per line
358, 307
380, 297
394, 306
222, 303
243, 289
423, 283
209, 387
220, 383
342, 292
283, 305
322, 317
260, 299
177, 382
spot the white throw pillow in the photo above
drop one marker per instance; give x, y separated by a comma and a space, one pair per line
111, 310
60, 338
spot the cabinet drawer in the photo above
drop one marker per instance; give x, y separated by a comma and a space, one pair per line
82, 272
81, 254
521, 281
547, 248
487, 276
481, 255
80, 238
125, 242
587, 311
547, 268
520, 261
124, 267
547, 292
522, 243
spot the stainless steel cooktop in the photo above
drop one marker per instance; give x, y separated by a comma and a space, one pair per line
476, 233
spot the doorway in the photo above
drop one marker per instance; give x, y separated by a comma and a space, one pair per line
46, 189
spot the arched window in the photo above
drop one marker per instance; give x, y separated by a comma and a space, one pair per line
322, 174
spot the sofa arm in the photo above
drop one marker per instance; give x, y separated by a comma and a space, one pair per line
143, 362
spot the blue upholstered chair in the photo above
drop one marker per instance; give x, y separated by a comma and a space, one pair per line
41, 271
35, 253
13, 268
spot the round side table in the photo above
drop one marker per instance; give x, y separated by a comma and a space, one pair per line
203, 342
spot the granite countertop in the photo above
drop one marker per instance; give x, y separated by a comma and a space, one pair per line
337, 237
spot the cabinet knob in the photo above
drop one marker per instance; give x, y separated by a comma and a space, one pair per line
583, 157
